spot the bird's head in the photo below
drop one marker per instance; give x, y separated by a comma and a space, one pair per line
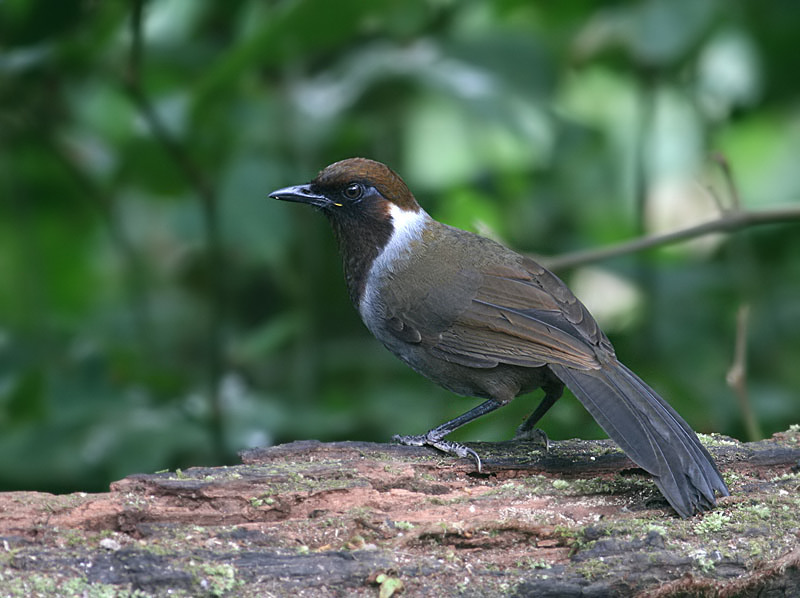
353, 188
374, 215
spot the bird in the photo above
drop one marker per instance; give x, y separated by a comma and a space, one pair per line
484, 321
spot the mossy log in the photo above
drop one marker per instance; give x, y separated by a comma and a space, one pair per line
363, 519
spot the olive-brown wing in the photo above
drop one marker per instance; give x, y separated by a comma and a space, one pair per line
516, 317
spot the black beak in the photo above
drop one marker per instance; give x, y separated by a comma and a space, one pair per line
302, 194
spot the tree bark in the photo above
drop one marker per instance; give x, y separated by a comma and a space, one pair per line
364, 519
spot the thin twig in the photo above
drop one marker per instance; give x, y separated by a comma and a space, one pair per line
741, 257
647, 110
728, 221
737, 374
209, 207
715, 196
727, 174
646, 276
135, 58
174, 148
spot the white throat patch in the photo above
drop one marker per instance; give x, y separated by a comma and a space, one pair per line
408, 227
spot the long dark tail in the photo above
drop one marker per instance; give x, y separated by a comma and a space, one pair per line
650, 432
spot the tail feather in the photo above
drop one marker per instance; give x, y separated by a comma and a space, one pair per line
650, 432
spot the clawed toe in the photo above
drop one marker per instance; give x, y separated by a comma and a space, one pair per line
446, 446
534, 435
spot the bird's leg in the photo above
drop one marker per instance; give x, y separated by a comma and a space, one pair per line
435, 437
552, 392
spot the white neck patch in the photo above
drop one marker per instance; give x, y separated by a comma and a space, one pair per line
408, 227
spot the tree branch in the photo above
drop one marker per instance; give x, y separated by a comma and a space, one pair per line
729, 221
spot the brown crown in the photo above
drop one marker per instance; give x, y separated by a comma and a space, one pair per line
368, 172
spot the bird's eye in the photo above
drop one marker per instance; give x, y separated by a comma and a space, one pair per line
354, 191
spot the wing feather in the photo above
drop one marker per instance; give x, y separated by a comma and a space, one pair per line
520, 316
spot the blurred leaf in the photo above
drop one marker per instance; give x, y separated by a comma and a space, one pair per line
655, 33
270, 337
25, 22
501, 53
24, 400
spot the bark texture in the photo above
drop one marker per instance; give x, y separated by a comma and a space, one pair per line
363, 519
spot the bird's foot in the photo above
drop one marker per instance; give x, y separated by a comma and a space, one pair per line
533, 435
446, 446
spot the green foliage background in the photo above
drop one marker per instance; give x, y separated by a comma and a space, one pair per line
158, 311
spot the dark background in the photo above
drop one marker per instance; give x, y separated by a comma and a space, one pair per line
158, 311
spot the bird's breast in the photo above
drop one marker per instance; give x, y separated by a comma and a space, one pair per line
404, 246
425, 286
